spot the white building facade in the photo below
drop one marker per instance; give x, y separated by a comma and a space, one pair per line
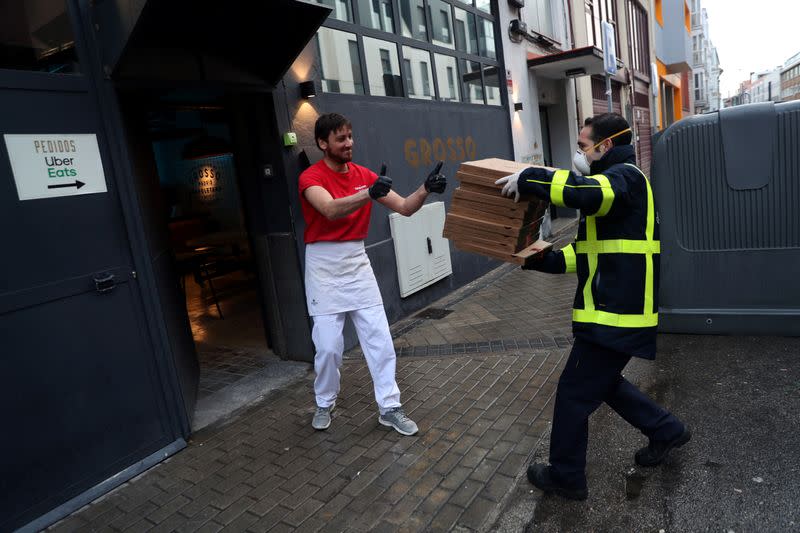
706, 70
766, 86
715, 71
543, 115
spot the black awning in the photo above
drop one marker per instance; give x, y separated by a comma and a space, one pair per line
586, 61
240, 41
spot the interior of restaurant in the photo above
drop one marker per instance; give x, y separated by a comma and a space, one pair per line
208, 237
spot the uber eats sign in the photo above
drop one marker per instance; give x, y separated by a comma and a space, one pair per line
48, 165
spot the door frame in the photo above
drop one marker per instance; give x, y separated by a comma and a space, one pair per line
112, 123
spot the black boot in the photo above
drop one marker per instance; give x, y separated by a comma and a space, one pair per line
539, 475
654, 453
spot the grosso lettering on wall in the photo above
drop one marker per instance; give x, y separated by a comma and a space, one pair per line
425, 152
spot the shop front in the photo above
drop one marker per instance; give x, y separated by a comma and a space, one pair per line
99, 342
148, 195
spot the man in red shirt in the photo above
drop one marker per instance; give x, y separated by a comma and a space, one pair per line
336, 198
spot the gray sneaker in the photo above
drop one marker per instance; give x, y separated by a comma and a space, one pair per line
322, 418
397, 419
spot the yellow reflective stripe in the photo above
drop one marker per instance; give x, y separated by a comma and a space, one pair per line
649, 232
618, 246
608, 194
648, 283
557, 187
569, 259
591, 235
651, 206
591, 229
604, 318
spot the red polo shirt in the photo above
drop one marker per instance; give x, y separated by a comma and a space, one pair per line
354, 226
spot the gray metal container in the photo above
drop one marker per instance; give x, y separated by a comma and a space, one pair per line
727, 187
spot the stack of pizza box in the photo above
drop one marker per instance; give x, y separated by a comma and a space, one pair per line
480, 220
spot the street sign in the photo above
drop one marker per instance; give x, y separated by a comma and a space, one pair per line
609, 49
654, 79
52, 165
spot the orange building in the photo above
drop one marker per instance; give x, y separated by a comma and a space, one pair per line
673, 37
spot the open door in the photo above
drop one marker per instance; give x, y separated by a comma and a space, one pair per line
154, 215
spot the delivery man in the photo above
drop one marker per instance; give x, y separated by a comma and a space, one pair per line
615, 314
336, 197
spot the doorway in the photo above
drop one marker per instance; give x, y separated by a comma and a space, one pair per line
191, 195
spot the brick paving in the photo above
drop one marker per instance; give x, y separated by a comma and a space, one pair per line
483, 407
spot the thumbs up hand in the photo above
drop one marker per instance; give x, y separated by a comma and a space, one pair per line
436, 182
382, 185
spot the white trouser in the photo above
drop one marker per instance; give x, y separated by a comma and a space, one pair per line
376, 342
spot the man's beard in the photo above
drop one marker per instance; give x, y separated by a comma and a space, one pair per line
341, 159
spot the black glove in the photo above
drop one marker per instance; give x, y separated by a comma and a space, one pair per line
382, 186
436, 182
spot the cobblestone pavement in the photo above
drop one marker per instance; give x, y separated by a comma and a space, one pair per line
479, 382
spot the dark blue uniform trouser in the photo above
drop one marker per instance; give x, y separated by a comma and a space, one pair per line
591, 376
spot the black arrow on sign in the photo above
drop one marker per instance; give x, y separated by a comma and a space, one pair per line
78, 184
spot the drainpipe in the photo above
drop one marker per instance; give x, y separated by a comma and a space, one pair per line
571, 43
629, 5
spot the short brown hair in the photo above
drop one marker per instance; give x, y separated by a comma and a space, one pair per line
606, 125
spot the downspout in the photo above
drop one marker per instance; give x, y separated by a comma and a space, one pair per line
571, 43
632, 71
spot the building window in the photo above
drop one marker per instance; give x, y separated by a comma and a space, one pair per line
471, 82
376, 14
486, 38
466, 32
410, 90
483, 5
441, 23
37, 35
597, 11
342, 9
412, 19
425, 73
383, 68
447, 92
640, 38
341, 66
467, 73
540, 17
417, 64
491, 77
451, 80
667, 104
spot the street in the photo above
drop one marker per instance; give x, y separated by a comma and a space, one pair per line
483, 406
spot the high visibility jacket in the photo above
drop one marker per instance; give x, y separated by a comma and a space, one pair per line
616, 251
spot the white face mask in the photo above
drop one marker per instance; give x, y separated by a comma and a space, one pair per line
581, 162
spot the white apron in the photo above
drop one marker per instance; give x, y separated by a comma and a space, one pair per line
339, 278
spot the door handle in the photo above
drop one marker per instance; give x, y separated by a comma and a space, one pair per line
104, 282
430, 246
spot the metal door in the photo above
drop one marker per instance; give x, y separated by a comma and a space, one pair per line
83, 396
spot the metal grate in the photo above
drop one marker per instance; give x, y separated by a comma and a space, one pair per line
433, 313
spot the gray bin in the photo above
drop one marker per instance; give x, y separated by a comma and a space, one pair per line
727, 187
